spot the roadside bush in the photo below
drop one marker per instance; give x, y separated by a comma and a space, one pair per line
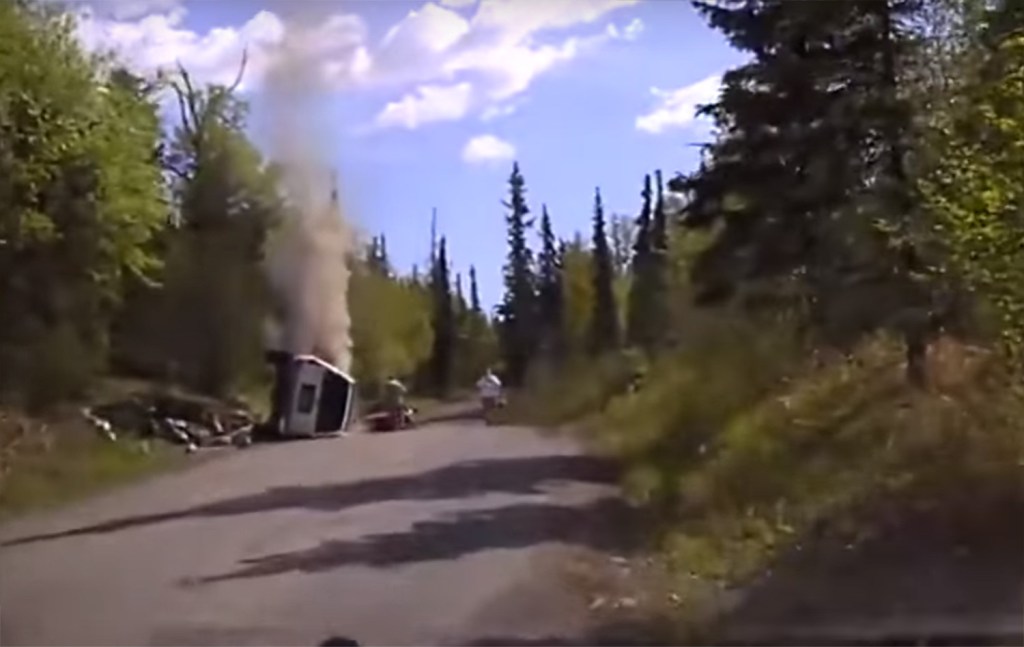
743, 443
582, 388
840, 449
688, 397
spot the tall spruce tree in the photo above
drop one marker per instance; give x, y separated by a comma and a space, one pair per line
474, 292
806, 179
549, 288
604, 332
657, 275
659, 224
460, 298
638, 306
443, 322
519, 306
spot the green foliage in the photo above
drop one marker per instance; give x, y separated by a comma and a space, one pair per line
578, 290
391, 326
80, 200
550, 292
444, 323
974, 190
605, 330
864, 180
214, 296
474, 292
806, 184
640, 329
518, 312
836, 448
575, 390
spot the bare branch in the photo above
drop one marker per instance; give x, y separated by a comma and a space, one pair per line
182, 109
194, 118
241, 71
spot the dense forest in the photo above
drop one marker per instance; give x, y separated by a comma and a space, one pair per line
828, 311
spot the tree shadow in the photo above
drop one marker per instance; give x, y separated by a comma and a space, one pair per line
597, 525
525, 475
650, 632
340, 641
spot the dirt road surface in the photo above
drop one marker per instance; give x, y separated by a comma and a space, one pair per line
453, 533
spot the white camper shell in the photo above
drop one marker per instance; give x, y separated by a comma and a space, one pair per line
320, 401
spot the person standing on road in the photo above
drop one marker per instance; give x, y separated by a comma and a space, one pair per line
394, 395
489, 388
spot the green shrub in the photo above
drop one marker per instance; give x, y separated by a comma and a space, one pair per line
840, 447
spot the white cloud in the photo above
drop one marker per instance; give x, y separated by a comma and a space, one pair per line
630, 32
429, 103
495, 48
677, 108
415, 48
484, 149
498, 111
515, 20
160, 41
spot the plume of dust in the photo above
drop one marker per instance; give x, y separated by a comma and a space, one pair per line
307, 259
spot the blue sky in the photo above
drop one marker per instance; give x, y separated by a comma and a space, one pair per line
404, 87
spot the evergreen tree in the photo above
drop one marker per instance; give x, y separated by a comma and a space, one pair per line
383, 262
604, 333
443, 321
474, 293
640, 330
549, 292
659, 225
518, 309
460, 299
377, 256
806, 180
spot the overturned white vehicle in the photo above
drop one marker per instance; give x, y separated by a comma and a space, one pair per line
310, 397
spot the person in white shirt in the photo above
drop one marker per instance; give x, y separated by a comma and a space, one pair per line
489, 388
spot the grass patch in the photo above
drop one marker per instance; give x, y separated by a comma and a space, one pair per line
53, 461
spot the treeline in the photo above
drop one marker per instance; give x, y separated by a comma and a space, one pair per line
861, 178
582, 298
419, 328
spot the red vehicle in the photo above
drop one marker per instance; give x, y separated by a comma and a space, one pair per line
391, 419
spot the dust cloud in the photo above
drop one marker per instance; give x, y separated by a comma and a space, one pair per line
307, 259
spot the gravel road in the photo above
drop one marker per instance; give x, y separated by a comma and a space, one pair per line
453, 533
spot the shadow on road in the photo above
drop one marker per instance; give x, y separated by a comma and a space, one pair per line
528, 475
339, 641
596, 525
611, 634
